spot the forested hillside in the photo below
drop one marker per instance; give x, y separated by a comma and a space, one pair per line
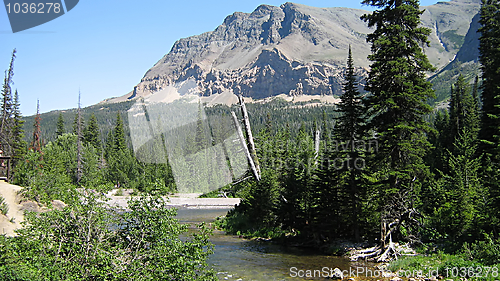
277, 111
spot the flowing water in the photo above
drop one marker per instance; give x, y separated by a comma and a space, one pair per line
235, 258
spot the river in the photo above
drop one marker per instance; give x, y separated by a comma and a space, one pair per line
235, 258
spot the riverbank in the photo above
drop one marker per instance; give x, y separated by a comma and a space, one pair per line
15, 215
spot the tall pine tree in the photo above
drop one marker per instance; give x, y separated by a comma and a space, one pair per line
6, 110
490, 65
464, 113
349, 134
489, 56
19, 144
60, 125
122, 166
397, 101
459, 208
37, 143
91, 133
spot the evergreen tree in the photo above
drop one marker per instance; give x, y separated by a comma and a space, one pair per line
461, 210
91, 133
457, 208
6, 120
464, 113
329, 198
490, 63
60, 125
261, 204
349, 123
475, 93
122, 168
19, 144
440, 139
489, 135
350, 132
399, 91
119, 143
297, 205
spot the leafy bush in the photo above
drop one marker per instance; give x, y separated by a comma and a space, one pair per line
88, 241
455, 265
238, 223
51, 173
234, 223
486, 252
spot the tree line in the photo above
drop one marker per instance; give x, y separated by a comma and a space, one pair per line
391, 168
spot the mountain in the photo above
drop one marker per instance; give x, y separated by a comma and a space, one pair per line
465, 63
292, 50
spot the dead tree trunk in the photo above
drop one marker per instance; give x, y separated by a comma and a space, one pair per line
316, 144
251, 144
398, 212
245, 147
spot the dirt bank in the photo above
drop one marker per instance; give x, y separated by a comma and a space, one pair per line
184, 200
14, 217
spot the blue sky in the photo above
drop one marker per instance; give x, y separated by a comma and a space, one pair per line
103, 48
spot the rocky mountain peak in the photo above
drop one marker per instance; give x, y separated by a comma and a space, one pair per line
292, 49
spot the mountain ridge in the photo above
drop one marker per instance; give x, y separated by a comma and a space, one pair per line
292, 49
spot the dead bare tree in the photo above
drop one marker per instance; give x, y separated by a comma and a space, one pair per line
248, 129
245, 147
400, 221
36, 145
317, 135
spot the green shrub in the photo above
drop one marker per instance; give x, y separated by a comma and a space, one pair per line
4, 208
119, 192
486, 252
88, 241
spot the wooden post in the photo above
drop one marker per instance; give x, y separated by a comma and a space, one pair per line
245, 148
8, 169
246, 122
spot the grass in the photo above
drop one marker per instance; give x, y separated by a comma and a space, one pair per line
449, 266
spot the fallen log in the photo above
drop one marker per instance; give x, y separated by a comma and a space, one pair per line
377, 254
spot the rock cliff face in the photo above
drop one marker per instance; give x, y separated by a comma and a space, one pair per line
470, 49
292, 49
466, 63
